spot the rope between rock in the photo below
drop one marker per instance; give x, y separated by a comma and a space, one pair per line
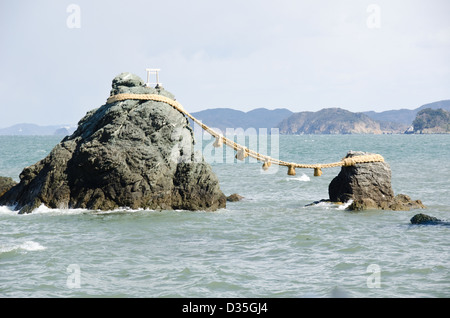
242, 151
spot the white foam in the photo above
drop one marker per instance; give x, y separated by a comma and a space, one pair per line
42, 209
345, 205
303, 178
326, 205
28, 246
7, 210
31, 246
330, 205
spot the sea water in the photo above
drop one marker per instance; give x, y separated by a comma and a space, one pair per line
270, 244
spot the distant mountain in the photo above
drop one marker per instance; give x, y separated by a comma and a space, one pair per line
223, 118
391, 121
406, 116
443, 104
329, 121
402, 116
432, 121
32, 129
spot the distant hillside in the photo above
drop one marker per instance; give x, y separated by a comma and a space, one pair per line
401, 116
391, 121
432, 121
443, 104
223, 118
406, 116
329, 121
32, 129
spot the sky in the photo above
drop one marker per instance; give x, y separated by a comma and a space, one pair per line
58, 58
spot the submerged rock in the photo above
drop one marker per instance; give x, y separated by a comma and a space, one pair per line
402, 202
321, 201
234, 197
424, 219
131, 153
369, 186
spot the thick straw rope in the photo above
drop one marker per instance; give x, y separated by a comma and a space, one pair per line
243, 152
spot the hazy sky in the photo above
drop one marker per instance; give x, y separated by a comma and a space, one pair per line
302, 55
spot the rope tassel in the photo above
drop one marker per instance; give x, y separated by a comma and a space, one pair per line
291, 170
317, 172
218, 142
266, 165
241, 154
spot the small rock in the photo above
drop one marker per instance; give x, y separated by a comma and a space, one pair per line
6, 184
234, 197
362, 181
424, 219
369, 186
402, 202
363, 204
127, 79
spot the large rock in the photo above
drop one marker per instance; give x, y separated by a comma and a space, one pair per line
132, 153
368, 185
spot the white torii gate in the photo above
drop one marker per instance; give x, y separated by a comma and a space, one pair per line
153, 71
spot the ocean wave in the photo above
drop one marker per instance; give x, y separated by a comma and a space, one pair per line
330, 205
7, 210
303, 178
44, 210
10, 210
345, 205
27, 246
